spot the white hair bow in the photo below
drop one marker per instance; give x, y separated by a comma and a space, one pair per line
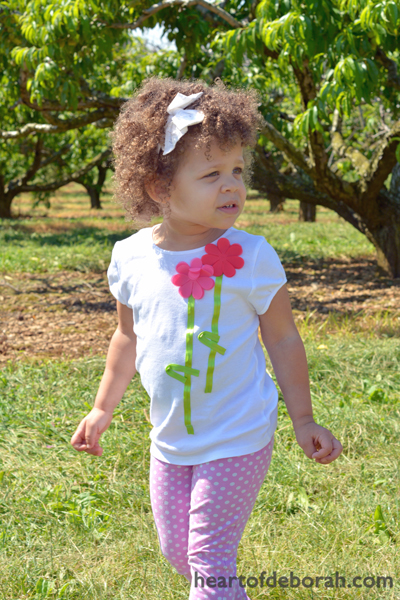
179, 120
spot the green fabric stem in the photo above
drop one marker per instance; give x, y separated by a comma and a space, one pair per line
210, 339
188, 363
214, 329
187, 369
173, 368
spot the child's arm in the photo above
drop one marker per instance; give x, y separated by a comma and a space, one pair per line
288, 357
120, 368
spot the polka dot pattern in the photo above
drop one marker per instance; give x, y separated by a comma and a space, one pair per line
200, 513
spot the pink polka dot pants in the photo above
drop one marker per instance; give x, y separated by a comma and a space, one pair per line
200, 513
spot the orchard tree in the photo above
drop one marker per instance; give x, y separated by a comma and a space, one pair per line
66, 70
93, 183
326, 72
342, 57
43, 163
63, 81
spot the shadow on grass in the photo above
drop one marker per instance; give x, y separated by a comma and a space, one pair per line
76, 305
71, 237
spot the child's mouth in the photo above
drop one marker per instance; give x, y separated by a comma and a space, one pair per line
229, 208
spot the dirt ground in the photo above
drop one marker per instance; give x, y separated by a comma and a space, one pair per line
70, 314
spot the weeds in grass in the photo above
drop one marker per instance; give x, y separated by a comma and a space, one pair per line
76, 526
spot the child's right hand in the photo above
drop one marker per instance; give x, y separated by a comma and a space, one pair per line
89, 430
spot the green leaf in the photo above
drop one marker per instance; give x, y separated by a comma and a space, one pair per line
393, 13
380, 525
376, 394
365, 18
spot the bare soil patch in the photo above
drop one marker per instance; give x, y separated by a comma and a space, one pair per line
62, 315
345, 286
70, 314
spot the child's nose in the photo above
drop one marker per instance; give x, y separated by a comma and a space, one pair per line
230, 184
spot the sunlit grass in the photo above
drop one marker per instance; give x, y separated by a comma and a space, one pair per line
329, 236
70, 235
81, 527
380, 323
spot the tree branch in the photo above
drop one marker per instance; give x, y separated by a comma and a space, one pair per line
210, 18
11, 187
297, 188
62, 125
293, 153
270, 53
380, 166
36, 162
222, 13
326, 181
55, 185
93, 102
53, 157
286, 117
152, 10
27, 130
308, 93
358, 160
93, 99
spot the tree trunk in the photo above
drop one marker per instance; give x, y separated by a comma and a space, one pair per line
95, 190
386, 237
275, 203
384, 233
94, 196
5, 204
386, 240
263, 180
307, 212
102, 170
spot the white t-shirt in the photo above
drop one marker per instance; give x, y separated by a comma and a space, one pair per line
239, 415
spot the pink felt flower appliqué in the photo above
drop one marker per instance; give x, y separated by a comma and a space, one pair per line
224, 257
194, 279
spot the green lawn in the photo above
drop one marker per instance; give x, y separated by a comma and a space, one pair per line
78, 527
84, 243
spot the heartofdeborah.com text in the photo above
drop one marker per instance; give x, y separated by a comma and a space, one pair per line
338, 581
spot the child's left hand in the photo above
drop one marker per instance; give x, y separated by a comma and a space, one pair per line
317, 442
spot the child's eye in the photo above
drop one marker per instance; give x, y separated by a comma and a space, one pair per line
216, 172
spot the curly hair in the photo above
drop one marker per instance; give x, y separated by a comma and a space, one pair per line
231, 115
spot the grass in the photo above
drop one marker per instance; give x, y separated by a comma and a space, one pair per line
80, 527
70, 236
380, 324
73, 526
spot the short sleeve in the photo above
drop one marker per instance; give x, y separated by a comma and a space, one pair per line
268, 277
115, 282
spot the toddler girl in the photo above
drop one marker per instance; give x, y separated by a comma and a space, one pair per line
191, 294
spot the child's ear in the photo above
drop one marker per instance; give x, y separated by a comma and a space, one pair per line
155, 191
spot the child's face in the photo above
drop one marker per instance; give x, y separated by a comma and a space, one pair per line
201, 188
